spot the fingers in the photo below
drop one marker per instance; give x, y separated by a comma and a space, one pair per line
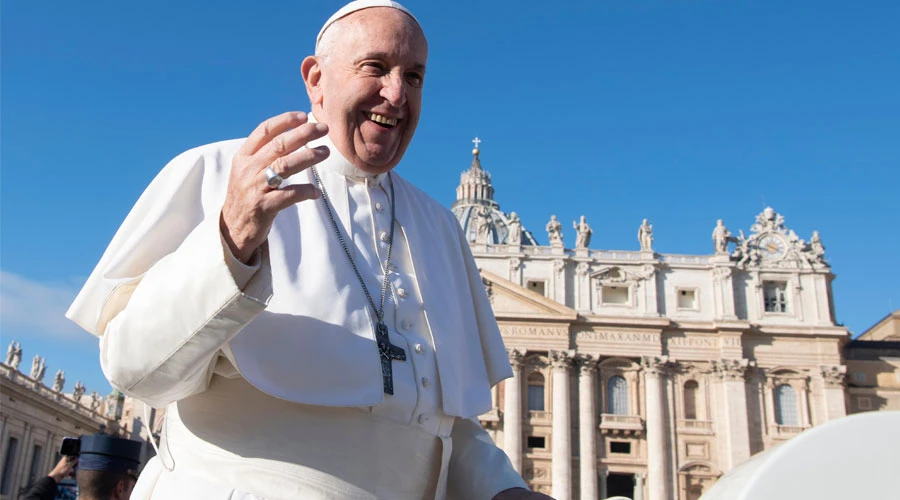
288, 143
298, 161
270, 129
290, 195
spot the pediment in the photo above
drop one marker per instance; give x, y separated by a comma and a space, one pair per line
510, 300
616, 274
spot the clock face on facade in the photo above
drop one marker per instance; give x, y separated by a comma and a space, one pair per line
772, 246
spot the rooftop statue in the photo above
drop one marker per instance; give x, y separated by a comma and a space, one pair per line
554, 232
483, 225
14, 355
78, 393
583, 240
645, 236
59, 381
721, 236
515, 229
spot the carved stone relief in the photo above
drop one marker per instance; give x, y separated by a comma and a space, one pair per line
834, 375
730, 369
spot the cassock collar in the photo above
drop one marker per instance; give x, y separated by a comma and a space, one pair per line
340, 165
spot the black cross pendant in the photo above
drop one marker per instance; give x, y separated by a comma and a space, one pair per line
387, 352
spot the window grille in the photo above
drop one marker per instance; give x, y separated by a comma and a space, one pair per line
617, 396
786, 406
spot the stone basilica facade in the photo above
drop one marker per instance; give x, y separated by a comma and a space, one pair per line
646, 374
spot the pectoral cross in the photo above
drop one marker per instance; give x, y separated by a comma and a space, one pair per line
387, 352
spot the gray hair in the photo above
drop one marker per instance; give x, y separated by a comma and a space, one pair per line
328, 40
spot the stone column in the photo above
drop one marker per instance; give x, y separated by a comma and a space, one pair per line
770, 405
723, 286
657, 458
561, 444
587, 428
639, 485
515, 271
20, 477
835, 377
603, 474
512, 412
734, 410
803, 397
583, 287
559, 281
647, 277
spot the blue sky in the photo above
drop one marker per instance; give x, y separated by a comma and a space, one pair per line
680, 111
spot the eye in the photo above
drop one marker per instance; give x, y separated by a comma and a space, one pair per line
415, 79
374, 67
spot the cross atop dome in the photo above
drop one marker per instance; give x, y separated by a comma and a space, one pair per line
476, 141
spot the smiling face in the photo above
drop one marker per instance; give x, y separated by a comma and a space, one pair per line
368, 87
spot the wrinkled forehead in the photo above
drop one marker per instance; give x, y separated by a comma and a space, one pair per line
360, 5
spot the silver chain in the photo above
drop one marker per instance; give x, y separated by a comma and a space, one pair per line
379, 312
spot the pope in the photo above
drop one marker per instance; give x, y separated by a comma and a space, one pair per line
314, 325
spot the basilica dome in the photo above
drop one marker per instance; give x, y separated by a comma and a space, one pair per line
480, 216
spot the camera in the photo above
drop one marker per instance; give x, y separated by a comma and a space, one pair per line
70, 447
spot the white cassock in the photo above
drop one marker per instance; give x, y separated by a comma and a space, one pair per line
270, 373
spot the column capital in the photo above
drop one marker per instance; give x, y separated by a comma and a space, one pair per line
834, 375
730, 369
655, 365
586, 363
561, 359
582, 269
722, 272
515, 357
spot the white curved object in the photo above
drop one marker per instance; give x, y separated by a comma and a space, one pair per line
857, 456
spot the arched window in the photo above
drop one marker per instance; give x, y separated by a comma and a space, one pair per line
617, 396
691, 389
786, 405
535, 392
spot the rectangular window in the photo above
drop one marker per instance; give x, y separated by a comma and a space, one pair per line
9, 464
620, 447
864, 403
537, 287
535, 397
537, 442
775, 296
687, 299
859, 377
35, 471
615, 295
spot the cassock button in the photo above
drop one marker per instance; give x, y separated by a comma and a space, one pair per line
419, 349
406, 324
379, 206
425, 382
383, 236
401, 292
422, 419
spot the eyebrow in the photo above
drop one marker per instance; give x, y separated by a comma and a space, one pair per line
383, 56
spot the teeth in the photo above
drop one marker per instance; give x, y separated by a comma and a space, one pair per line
383, 119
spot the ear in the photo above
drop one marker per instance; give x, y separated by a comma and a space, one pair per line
121, 489
311, 69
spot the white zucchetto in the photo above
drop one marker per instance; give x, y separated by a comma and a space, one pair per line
358, 5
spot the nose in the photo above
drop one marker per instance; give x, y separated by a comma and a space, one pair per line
394, 90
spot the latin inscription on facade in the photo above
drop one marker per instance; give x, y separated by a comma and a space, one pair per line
730, 341
693, 342
533, 331
622, 337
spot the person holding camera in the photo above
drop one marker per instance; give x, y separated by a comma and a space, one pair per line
106, 469
45, 487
